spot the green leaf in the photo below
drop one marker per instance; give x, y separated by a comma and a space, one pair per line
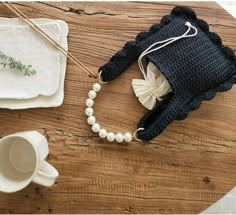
14, 64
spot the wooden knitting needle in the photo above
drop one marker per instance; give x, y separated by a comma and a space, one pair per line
42, 33
47, 37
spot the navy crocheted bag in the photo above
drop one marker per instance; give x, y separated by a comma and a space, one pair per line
195, 67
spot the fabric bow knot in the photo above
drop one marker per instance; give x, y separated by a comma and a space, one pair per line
152, 88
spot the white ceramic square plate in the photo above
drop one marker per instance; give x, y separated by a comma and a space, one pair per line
56, 99
25, 45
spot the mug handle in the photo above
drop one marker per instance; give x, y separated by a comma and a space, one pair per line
46, 175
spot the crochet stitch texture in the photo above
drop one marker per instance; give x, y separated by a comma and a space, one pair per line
196, 68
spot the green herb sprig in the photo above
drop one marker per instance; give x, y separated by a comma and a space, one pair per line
14, 64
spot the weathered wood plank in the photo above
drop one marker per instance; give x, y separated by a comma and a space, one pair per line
184, 170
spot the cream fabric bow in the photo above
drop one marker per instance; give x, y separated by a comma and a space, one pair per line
155, 85
152, 88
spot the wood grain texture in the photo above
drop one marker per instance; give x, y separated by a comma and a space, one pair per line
184, 170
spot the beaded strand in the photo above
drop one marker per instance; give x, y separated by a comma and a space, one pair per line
96, 128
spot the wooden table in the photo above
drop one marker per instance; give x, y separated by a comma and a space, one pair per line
184, 170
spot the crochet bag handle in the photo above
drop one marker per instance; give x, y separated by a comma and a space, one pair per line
120, 61
156, 120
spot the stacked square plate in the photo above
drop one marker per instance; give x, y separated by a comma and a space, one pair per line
20, 41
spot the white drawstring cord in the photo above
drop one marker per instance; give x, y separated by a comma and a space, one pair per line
166, 42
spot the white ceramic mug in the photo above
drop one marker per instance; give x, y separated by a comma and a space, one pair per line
23, 160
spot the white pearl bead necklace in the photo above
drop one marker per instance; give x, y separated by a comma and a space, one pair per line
96, 128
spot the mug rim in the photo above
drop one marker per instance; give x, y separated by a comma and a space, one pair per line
29, 140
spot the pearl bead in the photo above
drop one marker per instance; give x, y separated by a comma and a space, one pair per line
111, 136
119, 137
89, 102
91, 120
97, 87
102, 133
96, 128
92, 94
89, 111
128, 137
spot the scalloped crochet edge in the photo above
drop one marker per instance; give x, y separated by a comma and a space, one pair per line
120, 59
188, 13
196, 102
